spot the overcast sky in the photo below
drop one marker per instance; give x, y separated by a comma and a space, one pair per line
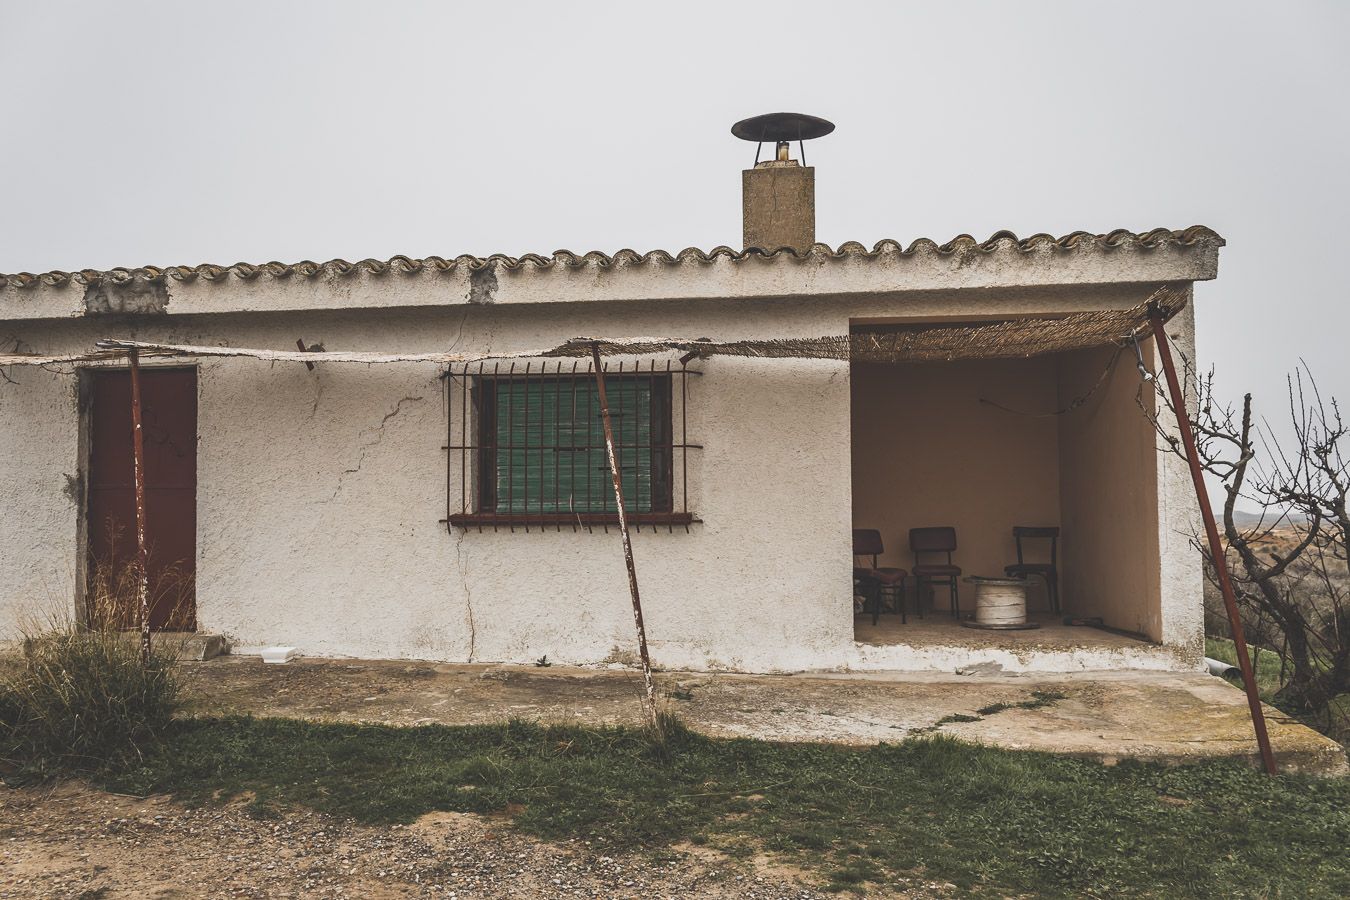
171, 133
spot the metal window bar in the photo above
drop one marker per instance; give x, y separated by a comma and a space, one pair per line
622, 414
503, 452
510, 448
524, 442
684, 431
590, 414
557, 458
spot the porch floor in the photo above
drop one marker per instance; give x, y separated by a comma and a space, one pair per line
939, 629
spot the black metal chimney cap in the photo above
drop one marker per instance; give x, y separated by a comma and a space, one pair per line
781, 126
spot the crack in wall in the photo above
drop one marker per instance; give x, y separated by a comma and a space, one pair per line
459, 335
371, 445
318, 394
448, 395
468, 593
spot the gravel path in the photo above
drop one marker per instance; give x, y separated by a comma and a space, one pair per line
76, 842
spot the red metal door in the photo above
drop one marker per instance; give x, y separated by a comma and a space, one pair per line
169, 426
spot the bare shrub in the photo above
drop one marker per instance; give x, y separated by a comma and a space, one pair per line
1288, 562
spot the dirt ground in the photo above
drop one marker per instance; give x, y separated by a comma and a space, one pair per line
1166, 717
74, 842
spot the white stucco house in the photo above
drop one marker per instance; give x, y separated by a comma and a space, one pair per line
459, 511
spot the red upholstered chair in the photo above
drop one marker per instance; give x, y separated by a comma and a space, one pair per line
935, 542
877, 580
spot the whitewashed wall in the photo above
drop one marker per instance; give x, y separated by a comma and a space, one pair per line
40, 508
320, 493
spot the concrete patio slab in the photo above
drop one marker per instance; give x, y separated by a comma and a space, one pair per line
939, 643
1109, 716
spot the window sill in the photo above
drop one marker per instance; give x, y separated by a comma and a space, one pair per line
583, 520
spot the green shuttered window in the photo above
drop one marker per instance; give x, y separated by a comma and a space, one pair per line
542, 444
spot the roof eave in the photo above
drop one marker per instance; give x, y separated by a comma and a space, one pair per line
1004, 261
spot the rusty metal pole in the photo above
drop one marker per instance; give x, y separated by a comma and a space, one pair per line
1215, 546
138, 479
648, 684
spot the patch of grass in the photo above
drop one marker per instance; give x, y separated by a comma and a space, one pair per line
1268, 683
853, 875
1267, 663
666, 735
954, 717
1039, 699
78, 698
991, 822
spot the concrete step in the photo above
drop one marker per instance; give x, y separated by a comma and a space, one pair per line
198, 646
192, 646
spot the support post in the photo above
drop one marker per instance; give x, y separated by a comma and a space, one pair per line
649, 686
1215, 546
138, 479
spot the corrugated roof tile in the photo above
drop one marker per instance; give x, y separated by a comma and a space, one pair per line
964, 243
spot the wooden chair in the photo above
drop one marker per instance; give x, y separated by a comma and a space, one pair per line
932, 542
877, 580
1047, 571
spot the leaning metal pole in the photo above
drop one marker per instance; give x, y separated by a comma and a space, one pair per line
138, 478
1216, 550
648, 685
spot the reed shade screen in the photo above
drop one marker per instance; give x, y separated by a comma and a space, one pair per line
527, 445
1017, 338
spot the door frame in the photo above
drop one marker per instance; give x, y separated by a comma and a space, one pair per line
85, 375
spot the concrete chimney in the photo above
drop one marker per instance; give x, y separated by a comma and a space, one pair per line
778, 196
778, 203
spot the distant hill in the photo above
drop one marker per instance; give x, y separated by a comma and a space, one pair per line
1243, 519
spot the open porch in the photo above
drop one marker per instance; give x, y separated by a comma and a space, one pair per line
1060, 442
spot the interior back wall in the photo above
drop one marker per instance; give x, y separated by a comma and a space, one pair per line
927, 450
